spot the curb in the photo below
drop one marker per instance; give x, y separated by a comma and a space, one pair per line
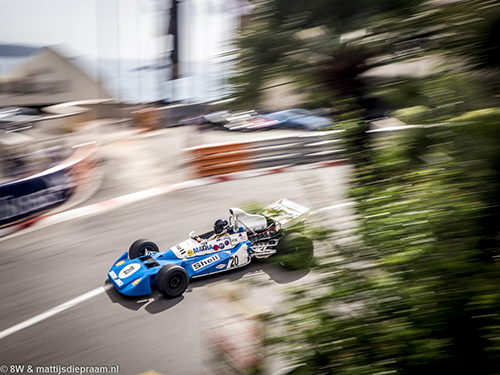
57, 217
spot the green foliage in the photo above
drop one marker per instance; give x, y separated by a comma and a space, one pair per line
413, 115
417, 292
355, 140
483, 117
480, 138
283, 38
436, 98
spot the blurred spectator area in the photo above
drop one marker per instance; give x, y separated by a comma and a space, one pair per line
30, 146
22, 155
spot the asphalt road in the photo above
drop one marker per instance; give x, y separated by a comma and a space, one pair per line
46, 267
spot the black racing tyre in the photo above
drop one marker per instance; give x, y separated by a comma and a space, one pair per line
295, 251
142, 247
172, 280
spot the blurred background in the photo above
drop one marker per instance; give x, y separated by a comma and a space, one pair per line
391, 110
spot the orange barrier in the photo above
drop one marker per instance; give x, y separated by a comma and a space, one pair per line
213, 160
148, 118
217, 149
215, 170
223, 158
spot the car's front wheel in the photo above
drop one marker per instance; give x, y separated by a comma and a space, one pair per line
141, 248
172, 280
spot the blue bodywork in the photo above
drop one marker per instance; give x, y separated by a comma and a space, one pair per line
136, 277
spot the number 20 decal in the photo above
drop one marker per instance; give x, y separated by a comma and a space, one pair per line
233, 261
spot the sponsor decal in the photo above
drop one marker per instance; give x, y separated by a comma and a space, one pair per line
135, 282
220, 266
202, 249
115, 278
119, 263
205, 262
234, 240
226, 242
190, 253
221, 246
181, 250
216, 247
129, 270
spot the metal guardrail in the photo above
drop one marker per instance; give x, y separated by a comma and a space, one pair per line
27, 198
216, 159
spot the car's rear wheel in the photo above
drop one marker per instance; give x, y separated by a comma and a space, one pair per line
295, 251
141, 248
172, 280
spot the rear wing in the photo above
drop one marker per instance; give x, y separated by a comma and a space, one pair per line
285, 212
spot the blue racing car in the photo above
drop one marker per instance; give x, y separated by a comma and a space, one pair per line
228, 246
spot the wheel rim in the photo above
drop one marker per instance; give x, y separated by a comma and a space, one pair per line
174, 282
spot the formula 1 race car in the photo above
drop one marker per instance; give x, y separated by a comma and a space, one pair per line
228, 246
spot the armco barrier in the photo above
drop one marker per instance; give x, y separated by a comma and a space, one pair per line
27, 198
212, 160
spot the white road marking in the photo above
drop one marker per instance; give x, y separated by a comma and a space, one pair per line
56, 310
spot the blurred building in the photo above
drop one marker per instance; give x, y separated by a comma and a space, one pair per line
47, 78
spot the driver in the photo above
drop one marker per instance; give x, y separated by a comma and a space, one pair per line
221, 228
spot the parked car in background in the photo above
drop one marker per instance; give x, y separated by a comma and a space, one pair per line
297, 119
257, 123
18, 111
226, 120
300, 119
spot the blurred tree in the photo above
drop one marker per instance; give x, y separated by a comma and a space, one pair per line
459, 38
417, 291
326, 45
310, 41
